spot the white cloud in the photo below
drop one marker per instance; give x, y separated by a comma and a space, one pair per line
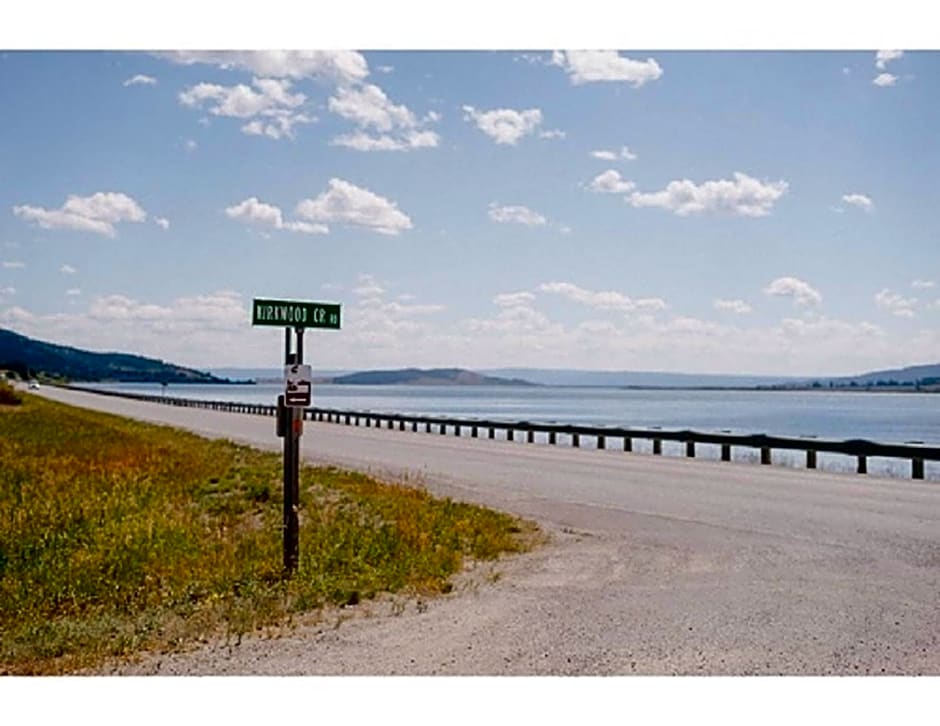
610, 182
504, 125
513, 299
552, 134
606, 155
337, 66
403, 141
605, 300
589, 66
858, 200
269, 107
895, 303
140, 80
744, 196
7, 291
802, 292
883, 57
368, 107
12, 265
162, 222
515, 214
368, 286
346, 203
73, 292
67, 270
255, 212
922, 284
885, 79
733, 306
191, 145
97, 213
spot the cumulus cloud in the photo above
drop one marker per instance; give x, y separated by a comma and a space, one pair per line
607, 155
590, 66
404, 141
515, 214
337, 66
345, 203
610, 182
255, 212
269, 107
744, 196
140, 80
67, 270
7, 291
12, 265
802, 292
885, 79
162, 222
513, 299
922, 284
504, 125
858, 200
883, 57
733, 306
896, 304
604, 300
395, 127
73, 292
221, 310
97, 213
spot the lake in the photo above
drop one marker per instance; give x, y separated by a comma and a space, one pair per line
885, 417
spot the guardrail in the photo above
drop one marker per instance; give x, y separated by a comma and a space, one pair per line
552, 433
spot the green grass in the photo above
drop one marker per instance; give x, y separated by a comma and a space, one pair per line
118, 536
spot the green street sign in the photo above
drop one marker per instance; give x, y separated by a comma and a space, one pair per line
295, 314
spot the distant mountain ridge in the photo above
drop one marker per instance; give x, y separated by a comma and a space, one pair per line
425, 377
910, 375
31, 357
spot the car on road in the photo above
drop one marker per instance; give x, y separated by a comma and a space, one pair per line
34, 385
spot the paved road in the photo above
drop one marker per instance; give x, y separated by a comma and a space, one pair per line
657, 565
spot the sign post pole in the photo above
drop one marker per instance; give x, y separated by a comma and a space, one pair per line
297, 316
291, 524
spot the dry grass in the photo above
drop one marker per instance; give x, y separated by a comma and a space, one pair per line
118, 536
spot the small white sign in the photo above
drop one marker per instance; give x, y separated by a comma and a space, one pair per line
299, 385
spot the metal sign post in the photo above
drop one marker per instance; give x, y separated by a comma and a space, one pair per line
298, 379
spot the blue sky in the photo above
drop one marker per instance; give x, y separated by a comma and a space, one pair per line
732, 212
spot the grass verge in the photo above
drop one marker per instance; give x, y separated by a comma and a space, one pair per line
118, 536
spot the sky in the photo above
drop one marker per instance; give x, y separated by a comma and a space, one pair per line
701, 211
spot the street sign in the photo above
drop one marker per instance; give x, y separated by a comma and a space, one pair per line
295, 314
299, 383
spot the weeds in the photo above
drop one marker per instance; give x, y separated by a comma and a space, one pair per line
118, 536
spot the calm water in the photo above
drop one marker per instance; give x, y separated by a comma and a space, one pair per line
886, 417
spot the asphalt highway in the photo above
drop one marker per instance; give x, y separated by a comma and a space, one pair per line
656, 565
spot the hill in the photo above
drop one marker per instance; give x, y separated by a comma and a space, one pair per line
920, 376
426, 377
30, 358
